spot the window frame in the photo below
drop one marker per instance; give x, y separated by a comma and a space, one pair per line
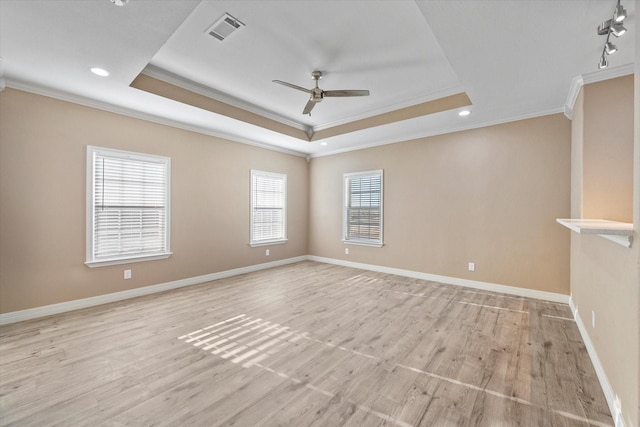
345, 208
264, 242
90, 259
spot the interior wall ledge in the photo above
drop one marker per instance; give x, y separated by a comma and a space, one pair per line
615, 231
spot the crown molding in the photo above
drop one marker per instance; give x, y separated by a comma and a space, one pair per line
608, 73
567, 109
594, 77
190, 85
444, 131
574, 90
200, 89
129, 112
391, 107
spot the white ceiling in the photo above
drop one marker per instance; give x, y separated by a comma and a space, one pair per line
514, 59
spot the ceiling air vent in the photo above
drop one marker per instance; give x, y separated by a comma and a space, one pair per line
224, 27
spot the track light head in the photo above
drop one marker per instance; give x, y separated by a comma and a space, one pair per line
603, 63
610, 48
620, 13
617, 29
603, 29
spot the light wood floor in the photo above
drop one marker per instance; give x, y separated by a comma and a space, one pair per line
307, 344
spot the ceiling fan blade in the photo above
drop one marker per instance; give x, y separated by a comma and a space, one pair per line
346, 93
292, 86
309, 107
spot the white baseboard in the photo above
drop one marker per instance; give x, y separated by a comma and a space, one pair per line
512, 290
47, 310
612, 400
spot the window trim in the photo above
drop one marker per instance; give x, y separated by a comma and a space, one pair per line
90, 260
257, 243
345, 202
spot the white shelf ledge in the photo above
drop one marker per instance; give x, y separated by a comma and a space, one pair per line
618, 232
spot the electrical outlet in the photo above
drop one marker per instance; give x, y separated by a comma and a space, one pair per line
593, 319
266, 252
472, 266
127, 274
346, 251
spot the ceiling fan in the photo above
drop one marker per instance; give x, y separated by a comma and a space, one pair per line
318, 94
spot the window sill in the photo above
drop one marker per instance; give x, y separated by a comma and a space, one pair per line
267, 243
118, 261
360, 243
618, 232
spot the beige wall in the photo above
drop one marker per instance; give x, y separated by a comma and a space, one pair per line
42, 201
607, 158
489, 196
605, 277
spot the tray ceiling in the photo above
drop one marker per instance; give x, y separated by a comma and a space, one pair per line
421, 60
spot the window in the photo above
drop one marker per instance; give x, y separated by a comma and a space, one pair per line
362, 214
127, 206
268, 208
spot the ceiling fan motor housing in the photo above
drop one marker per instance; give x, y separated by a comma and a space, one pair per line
317, 94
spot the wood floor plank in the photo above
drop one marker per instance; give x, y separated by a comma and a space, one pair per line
308, 344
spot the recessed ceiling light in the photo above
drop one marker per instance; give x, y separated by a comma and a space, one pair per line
100, 71
464, 113
323, 143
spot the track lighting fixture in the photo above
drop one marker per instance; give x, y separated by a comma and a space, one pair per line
611, 26
620, 13
603, 62
617, 29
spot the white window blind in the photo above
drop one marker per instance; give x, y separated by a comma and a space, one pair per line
268, 207
362, 216
128, 212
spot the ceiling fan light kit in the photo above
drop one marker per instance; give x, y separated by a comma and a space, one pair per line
317, 94
611, 26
